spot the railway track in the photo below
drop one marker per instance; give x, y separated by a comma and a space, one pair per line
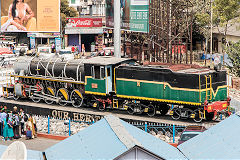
91, 114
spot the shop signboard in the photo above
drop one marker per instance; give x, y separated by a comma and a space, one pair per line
33, 16
83, 22
83, 30
43, 35
134, 15
58, 44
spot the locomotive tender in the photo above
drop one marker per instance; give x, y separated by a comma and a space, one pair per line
120, 83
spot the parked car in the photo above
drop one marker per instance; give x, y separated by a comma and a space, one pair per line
190, 132
107, 51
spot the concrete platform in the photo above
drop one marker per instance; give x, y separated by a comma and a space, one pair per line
91, 114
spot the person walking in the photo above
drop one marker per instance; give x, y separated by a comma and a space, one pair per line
8, 128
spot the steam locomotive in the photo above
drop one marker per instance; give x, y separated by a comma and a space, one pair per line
121, 83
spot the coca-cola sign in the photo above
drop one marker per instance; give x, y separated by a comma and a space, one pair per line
84, 22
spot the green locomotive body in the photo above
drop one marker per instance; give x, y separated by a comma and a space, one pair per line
120, 83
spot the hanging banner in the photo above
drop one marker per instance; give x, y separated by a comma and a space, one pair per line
134, 15
32, 43
58, 44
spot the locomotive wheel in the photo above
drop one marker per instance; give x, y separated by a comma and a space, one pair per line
35, 99
198, 116
50, 91
76, 98
130, 109
209, 116
176, 114
100, 106
15, 97
63, 95
151, 110
163, 109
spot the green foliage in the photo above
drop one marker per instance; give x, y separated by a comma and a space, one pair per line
226, 10
67, 11
234, 55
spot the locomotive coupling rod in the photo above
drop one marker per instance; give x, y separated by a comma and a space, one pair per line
48, 97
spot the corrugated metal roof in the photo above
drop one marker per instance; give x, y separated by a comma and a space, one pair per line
34, 155
99, 141
218, 142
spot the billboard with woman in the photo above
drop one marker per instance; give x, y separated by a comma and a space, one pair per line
30, 15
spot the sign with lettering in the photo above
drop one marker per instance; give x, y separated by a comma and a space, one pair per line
75, 116
134, 15
84, 22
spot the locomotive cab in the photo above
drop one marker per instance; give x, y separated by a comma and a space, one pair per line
99, 74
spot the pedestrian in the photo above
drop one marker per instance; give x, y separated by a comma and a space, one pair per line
35, 126
83, 50
23, 118
15, 109
1, 123
5, 109
53, 47
8, 128
73, 49
30, 129
16, 124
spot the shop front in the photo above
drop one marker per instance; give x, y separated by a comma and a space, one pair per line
39, 39
84, 33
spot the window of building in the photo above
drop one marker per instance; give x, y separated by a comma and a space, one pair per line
73, 1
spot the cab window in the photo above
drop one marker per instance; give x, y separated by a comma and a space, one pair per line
97, 72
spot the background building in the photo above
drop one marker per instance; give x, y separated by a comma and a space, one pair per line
89, 7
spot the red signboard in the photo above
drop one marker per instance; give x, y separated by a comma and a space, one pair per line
180, 49
84, 22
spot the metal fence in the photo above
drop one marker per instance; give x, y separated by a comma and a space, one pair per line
152, 128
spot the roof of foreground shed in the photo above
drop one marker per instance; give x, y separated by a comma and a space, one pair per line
218, 142
107, 139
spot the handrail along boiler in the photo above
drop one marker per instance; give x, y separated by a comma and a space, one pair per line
120, 83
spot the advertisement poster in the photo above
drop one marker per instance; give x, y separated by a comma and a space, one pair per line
32, 42
30, 15
58, 44
134, 15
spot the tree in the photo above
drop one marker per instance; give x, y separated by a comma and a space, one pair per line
202, 19
234, 56
67, 11
225, 13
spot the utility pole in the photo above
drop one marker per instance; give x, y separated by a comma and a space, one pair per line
211, 39
117, 29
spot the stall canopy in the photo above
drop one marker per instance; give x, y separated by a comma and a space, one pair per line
108, 139
218, 142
